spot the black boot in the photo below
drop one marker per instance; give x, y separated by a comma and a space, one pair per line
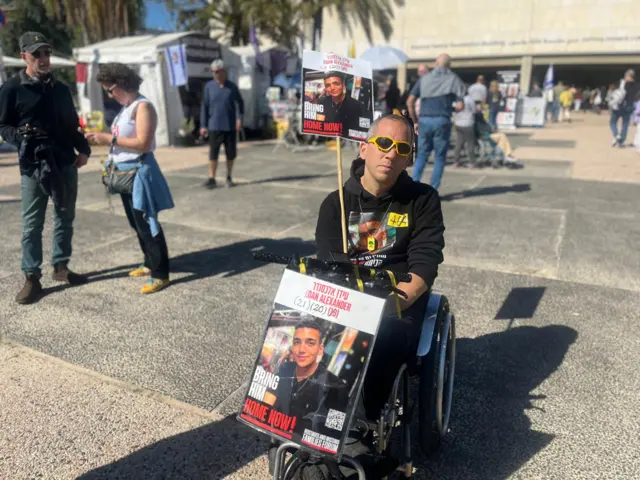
31, 290
61, 273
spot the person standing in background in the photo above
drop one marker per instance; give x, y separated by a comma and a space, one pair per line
220, 120
478, 91
494, 99
440, 92
48, 160
132, 142
566, 102
464, 121
392, 95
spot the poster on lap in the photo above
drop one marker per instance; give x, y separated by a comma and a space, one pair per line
313, 358
338, 95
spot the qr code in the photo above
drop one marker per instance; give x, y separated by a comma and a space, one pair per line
335, 419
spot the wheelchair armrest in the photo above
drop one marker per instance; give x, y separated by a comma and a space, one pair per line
429, 323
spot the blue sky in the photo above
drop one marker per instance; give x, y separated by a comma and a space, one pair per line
158, 17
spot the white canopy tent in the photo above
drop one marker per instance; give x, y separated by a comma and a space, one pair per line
56, 62
146, 54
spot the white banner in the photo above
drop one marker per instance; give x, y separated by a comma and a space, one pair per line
330, 302
531, 112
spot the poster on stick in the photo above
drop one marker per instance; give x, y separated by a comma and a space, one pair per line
313, 358
338, 95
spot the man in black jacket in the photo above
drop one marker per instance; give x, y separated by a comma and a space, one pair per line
35, 99
394, 223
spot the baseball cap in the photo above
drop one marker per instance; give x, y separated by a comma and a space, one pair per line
31, 41
217, 64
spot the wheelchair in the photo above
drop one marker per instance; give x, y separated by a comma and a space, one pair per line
434, 368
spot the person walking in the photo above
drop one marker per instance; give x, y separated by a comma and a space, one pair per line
566, 103
622, 105
438, 91
133, 140
37, 116
220, 121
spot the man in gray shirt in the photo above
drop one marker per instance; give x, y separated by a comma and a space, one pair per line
478, 91
440, 91
218, 119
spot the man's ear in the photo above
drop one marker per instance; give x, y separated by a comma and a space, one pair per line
363, 148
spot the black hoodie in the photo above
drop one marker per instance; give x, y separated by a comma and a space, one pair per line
402, 230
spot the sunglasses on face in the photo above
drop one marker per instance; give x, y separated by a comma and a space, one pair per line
110, 89
40, 53
216, 72
384, 144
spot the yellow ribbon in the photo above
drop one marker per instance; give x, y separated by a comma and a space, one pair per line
358, 279
394, 284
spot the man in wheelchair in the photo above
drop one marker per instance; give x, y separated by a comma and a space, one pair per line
394, 223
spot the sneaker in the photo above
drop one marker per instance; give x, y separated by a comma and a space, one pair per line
210, 184
141, 271
61, 273
154, 285
615, 142
30, 291
230, 182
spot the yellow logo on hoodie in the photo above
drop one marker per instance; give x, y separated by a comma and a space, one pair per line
398, 220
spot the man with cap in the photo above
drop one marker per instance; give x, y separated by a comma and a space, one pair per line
34, 98
220, 120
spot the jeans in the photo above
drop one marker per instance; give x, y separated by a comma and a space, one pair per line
613, 124
156, 253
433, 134
493, 119
34, 208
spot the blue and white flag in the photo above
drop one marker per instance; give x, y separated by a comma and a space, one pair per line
548, 78
177, 65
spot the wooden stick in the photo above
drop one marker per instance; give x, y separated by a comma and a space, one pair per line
341, 193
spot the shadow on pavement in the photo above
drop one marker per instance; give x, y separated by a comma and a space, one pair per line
478, 192
288, 178
235, 258
215, 450
491, 436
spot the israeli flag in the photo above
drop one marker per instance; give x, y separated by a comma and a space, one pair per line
177, 65
548, 78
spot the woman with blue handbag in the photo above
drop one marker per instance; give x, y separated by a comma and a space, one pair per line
133, 172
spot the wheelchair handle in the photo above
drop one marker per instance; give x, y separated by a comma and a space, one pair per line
340, 267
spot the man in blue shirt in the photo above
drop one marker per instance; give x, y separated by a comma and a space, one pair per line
440, 91
218, 119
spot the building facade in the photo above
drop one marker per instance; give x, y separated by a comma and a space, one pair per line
589, 42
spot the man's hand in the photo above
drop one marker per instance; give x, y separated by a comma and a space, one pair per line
238, 125
203, 132
81, 160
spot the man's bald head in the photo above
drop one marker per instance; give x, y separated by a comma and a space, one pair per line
443, 61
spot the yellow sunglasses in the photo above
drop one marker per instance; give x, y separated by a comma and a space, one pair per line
385, 144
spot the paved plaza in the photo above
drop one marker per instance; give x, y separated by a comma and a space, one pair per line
542, 269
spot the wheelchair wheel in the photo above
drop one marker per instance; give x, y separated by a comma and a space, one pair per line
436, 381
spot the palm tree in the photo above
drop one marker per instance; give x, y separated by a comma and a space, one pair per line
99, 20
282, 21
